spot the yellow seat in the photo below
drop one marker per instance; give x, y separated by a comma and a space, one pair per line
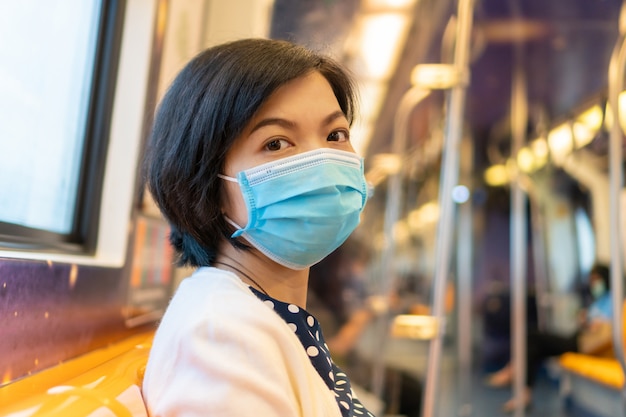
606, 371
603, 370
101, 383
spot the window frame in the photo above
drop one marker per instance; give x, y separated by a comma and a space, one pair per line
83, 236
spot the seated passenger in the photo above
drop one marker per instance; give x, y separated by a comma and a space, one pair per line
250, 162
592, 337
337, 297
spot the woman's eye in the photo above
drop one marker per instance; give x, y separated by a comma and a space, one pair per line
339, 136
276, 144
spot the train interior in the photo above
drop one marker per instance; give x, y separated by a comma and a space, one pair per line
493, 136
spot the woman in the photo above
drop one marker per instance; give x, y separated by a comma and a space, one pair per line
593, 337
250, 162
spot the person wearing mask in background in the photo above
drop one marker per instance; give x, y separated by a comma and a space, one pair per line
250, 162
592, 337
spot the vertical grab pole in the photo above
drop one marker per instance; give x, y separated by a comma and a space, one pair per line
449, 178
616, 85
392, 213
464, 289
519, 120
541, 278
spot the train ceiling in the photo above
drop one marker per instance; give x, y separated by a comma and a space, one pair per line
566, 47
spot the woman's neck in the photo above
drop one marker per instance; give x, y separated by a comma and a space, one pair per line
267, 276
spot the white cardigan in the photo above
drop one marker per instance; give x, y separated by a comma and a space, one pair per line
219, 351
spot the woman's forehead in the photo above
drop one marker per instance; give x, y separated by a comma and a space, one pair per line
310, 95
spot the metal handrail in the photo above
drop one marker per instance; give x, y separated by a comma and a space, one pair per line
519, 253
409, 101
464, 268
616, 85
449, 178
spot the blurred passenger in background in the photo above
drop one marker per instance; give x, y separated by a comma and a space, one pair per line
338, 298
592, 337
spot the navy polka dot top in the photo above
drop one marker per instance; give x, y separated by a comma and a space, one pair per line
309, 332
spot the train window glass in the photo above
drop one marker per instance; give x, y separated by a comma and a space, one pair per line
46, 69
586, 240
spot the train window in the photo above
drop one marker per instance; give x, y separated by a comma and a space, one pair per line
53, 88
585, 240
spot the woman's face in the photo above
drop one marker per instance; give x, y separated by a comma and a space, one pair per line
300, 116
596, 285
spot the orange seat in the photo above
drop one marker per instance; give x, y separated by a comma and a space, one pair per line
101, 382
604, 370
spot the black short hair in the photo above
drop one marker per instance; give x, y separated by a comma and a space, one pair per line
204, 110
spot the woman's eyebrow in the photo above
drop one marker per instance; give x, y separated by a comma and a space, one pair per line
273, 121
288, 124
333, 116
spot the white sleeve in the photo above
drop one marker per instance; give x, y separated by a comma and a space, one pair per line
239, 365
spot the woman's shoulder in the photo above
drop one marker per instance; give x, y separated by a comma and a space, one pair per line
209, 292
212, 305
216, 303
220, 338
210, 277
602, 308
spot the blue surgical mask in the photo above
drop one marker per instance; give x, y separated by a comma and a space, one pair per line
301, 208
598, 289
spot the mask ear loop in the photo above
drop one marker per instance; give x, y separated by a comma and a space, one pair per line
227, 178
238, 229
